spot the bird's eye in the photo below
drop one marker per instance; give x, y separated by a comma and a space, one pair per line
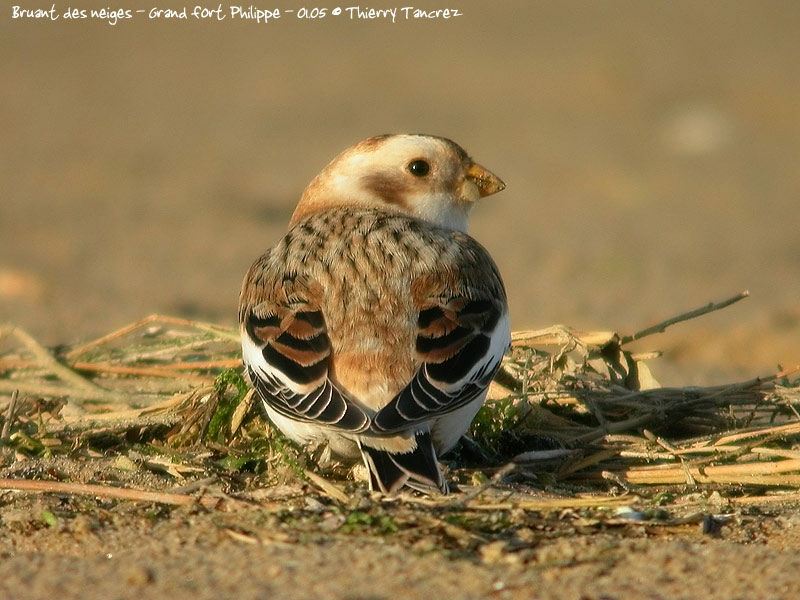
419, 168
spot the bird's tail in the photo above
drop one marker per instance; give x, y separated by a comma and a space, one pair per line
418, 469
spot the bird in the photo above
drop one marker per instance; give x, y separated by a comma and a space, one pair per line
376, 323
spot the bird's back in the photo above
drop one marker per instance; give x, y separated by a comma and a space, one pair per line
368, 270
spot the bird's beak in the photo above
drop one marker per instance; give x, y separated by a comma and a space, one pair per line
487, 182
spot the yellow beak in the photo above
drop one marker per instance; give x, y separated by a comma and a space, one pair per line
488, 183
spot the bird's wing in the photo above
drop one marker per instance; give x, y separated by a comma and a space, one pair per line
287, 351
461, 339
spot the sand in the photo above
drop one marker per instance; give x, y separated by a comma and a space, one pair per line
650, 153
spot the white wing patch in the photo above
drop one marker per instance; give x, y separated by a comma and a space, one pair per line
439, 387
499, 343
253, 357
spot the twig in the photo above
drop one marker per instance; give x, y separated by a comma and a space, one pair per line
541, 455
326, 486
170, 350
143, 371
708, 450
559, 335
753, 383
614, 427
12, 407
86, 489
660, 327
8, 364
193, 486
493, 480
452, 530
781, 452
540, 504
216, 329
43, 389
240, 411
788, 497
587, 461
783, 430
226, 363
614, 478
757, 473
673, 453
49, 362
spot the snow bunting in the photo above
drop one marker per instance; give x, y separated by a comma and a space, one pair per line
377, 323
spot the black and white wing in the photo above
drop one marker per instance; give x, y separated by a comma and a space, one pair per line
460, 342
286, 352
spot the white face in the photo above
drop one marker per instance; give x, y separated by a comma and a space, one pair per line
428, 177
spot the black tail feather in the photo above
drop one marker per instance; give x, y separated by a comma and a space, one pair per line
417, 469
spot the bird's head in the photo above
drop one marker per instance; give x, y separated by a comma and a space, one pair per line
428, 177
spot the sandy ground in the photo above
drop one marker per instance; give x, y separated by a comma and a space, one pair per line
650, 153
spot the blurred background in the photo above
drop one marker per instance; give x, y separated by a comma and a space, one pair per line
650, 150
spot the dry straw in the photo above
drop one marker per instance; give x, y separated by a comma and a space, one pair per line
578, 410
